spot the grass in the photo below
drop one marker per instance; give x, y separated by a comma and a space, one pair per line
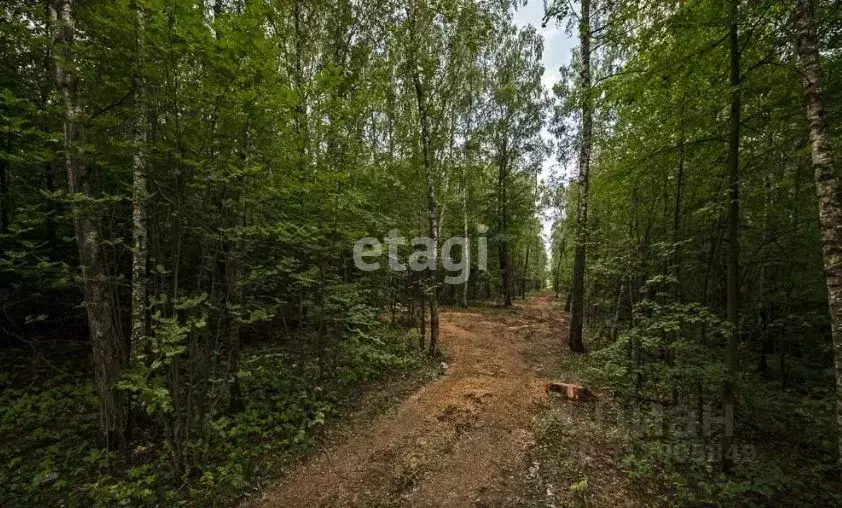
50, 455
624, 451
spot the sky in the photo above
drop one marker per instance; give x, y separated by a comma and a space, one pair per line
557, 50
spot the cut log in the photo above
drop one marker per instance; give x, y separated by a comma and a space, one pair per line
571, 392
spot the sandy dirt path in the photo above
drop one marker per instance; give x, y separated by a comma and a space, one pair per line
459, 441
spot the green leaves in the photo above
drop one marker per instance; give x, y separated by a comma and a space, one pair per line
271, 136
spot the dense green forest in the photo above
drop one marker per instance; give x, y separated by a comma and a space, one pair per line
197, 173
702, 245
184, 185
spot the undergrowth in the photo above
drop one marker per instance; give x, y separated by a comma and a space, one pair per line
669, 451
49, 454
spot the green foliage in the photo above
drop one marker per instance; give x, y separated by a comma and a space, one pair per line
45, 426
50, 453
253, 143
659, 210
667, 445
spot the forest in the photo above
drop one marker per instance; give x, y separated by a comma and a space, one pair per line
649, 239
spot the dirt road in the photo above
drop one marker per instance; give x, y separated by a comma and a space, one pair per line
460, 441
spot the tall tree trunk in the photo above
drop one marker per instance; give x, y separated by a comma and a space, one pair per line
228, 269
231, 328
676, 226
231, 268
466, 254
827, 183
577, 301
138, 344
466, 168
764, 305
432, 205
110, 352
4, 183
524, 278
422, 323
45, 95
505, 269
733, 279
301, 128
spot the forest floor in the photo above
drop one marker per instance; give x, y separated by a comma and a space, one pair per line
470, 438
